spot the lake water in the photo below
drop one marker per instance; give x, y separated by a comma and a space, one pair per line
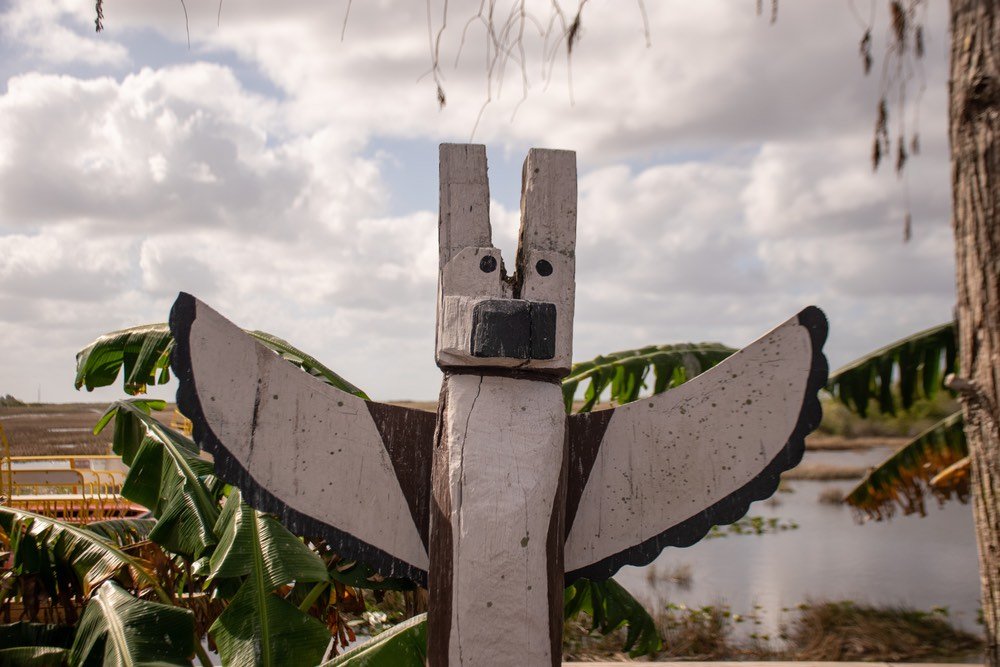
920, 562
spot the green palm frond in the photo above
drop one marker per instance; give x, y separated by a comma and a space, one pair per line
94, 558
123, 532
624, 374
258, 626
610, 607
34, 656
916, 365
142, 354
167, 476
403, 645
118, 629
903, 480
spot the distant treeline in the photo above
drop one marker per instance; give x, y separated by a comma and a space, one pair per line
8, 401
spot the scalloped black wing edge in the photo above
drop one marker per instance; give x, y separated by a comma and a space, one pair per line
734, 506
182, 316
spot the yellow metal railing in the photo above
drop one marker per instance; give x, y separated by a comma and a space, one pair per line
74, 488
181, 423
5, 469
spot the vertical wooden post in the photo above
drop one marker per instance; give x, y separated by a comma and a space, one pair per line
499, 470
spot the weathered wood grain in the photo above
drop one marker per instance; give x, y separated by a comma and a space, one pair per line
502, 453
546, 254
327, 463
472, 271
465, 200
672, 465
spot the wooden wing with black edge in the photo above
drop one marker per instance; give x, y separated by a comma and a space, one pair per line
327, 463
661, 471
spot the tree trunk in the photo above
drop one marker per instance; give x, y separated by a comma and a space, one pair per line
974, 125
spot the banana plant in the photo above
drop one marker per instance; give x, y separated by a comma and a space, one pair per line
903, 480
893, 377
258, 626
897, 374
167, 476
624, 374
119, 629
93, 558
403, 645
142, 355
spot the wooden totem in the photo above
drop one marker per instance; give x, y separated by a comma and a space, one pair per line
502, 499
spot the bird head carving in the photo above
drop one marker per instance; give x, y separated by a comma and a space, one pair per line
487, 317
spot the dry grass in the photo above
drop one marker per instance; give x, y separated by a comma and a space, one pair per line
821, 442
679, 575
824, 472
831, 496
844, 631
826, 631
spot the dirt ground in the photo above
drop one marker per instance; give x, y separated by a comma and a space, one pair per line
65, 428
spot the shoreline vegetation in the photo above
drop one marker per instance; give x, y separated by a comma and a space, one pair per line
814, 631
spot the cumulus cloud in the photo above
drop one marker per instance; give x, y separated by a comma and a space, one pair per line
50, 30
724, 182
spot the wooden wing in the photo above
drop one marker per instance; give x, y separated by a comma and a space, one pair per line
327, 463
661, 471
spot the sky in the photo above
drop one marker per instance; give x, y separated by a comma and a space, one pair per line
282, 167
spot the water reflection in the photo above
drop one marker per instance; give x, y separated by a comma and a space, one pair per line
919, 562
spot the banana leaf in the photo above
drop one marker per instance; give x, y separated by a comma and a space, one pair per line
954, 478
913, 366
259, 627
306, 362
902, 481
167, 476
611, 607
625, 374
123, 532
118, 629
29, 557
403, 645
143, 355
93, 558
34, 656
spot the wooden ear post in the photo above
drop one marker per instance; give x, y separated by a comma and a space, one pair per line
546, 254
465, 200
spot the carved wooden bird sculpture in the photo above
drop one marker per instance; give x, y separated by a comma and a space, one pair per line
500, 500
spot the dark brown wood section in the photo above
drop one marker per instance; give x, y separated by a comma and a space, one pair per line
441, 547
408, 437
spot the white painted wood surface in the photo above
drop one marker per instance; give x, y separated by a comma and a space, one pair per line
666, 458
462, 285
783, 663
314, 447
465, 200
505, 447
548, 233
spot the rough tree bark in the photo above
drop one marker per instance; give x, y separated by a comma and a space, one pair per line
974, 127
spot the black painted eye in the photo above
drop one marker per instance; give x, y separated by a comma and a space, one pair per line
544, 268
488, 264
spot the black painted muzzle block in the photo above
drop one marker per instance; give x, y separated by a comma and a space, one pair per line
514, 329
